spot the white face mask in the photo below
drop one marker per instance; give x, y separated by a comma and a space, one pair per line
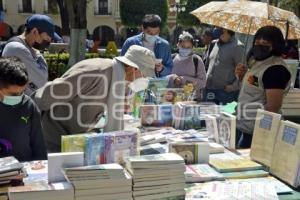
12, 100
151, 38
139, 84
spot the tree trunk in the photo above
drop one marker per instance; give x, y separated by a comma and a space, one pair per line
78, 23
64, 17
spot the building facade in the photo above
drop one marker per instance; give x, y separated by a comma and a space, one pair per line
103, 17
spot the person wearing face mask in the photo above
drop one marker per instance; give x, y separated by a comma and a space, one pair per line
39, 31
265, 80
73, 103
222, 85
188, 67
21, 132
150, 39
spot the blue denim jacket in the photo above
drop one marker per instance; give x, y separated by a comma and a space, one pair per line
161, 50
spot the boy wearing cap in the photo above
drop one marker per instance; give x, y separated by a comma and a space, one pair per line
39, 31
72, 104
21, 132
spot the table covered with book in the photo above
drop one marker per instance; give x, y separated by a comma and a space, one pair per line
170, 151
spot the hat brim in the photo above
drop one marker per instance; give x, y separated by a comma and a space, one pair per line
126, 61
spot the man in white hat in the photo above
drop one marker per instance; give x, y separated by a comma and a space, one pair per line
73, 103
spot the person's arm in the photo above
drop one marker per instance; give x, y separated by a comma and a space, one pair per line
237, 59
167, 62
37, 142
200, 81
125, 47
274, 100
275, 80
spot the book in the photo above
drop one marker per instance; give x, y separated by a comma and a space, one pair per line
37, 172
293, 68
246, 174
264, 136
201, 173
229, 190
170, 95
57, 161
192, 153
154, 149
42, 192
212, 126
286, 166
94, 149
229, 162
149, 115
9, 164
73, 143
119, 145
215, 148
227, 130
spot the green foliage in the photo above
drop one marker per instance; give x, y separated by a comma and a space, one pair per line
133, 11
58, 63
111, 49
291, 5
185, 18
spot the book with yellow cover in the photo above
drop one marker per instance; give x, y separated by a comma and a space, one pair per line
264, 136
286, 159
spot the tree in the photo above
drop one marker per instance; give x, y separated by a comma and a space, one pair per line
133, 11
78, 25
64, 17
185, 18
290, 5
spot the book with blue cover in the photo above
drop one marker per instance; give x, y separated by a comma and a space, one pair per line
94, 149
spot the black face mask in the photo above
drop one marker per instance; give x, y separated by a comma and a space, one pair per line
261, 52
41, 46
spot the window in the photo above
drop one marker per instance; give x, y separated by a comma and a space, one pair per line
102, 7
26, 6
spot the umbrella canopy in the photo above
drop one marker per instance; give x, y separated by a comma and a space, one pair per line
248, 16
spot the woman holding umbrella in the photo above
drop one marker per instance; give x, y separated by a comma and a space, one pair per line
265, 80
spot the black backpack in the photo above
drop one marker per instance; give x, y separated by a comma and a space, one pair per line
195, 60
13, 39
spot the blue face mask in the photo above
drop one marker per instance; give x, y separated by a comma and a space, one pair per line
12, 100
151, 38
185, 52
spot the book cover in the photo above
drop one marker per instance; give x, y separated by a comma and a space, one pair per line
94, 149
149, 115
73, 143
212, 126
234, 165
119, 145
165, 115
170, 95
286, 166
192, 153
192, 117
201, 173
227, 130
264, 136
8, 164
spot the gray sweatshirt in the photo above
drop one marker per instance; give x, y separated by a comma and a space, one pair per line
72, 104
222, 62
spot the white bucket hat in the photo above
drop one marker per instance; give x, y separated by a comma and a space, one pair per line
140, 58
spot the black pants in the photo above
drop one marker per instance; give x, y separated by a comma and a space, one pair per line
243, 139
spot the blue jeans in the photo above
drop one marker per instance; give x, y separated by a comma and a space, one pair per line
243, 140
219, 96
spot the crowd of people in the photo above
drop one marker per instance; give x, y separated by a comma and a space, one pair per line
35, 113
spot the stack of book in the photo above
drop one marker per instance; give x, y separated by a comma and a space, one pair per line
11, 173
201, 173
62, 190
102, 148
105, 182
291, 103
157, 176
